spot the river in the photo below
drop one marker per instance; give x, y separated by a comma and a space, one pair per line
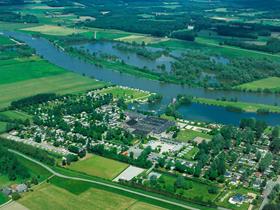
60, 58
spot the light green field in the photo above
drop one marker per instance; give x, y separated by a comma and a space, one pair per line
191, 154
3, 127
247, 107
61, 84
141, 38
128, 94
5, 41
16, 115
99, 166
54, 30
188, 135
48, 196
16, 70
271, 83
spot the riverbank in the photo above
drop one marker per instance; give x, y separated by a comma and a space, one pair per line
241, 106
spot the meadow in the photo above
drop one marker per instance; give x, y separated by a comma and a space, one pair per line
63, 194
99, 166
54, 30
247, 107
126, 93
188, 135
3, 199
5, 41
15, 115
271, 83
3, 127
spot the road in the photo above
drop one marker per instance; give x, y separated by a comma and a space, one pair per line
104, 184
269, 186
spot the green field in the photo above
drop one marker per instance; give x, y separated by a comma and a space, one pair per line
3, 127
15, 115
247, 107
191, 154
59, 195
3, 199
54, 30
271, 83
126, 93
188, 135
5, 41
60, 84
198, 190
16, 70
99, 166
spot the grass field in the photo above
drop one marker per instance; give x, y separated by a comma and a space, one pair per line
60, 84
16, 70
271, 83
3, 199
5, 41
16, 115
54, 30
99, 166
51, 196
191, 154
188, 135
247, 107
141, 38
3, 127
126, 93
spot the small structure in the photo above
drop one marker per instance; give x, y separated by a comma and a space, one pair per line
21, 188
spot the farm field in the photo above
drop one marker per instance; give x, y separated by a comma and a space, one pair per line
141, 206
99, 166
188, 135
60, 84
54, 30
247, 107
271, 83
53, 196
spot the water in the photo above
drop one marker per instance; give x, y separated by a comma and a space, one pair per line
130, 58
194, 112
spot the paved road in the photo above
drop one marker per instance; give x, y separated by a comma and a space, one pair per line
103, 184
269, 186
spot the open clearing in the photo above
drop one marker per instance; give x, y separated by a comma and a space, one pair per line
126, 93
188, 135
99, 166
141, 38
271, 83
48, 196
61, 84
54, 30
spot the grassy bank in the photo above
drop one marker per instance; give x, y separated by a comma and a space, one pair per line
271, 84
243, 106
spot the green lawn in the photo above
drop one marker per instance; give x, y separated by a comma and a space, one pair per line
99, 166
271, 83
188, 135
61, 84
198, 191
247, 107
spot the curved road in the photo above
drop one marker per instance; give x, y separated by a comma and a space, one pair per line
102, 183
